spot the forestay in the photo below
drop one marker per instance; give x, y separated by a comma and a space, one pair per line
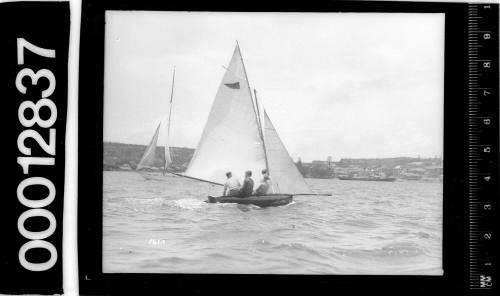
285, 176
231, 139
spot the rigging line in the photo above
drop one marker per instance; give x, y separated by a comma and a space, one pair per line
259, 122
254, 103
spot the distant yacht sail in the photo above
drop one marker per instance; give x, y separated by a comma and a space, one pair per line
231, 139
148, 158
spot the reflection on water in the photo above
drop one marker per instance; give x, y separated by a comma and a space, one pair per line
363, 228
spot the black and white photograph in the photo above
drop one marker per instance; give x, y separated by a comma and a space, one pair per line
273, 143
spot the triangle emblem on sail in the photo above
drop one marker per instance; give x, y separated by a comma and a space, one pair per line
285, 177
231, 139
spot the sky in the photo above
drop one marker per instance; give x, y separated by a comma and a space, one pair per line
346, 85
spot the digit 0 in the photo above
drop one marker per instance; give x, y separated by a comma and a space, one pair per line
38, 244
36, 235
36, 203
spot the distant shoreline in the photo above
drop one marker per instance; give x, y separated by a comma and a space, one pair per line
125, 157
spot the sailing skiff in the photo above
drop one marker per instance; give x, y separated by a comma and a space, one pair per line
238, 136
270, 200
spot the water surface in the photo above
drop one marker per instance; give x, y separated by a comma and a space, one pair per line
363, 228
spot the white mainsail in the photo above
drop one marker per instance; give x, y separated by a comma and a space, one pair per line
231, 139
285, 177
148, 158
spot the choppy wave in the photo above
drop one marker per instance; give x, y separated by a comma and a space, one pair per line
393, 250
364, 227
186, 203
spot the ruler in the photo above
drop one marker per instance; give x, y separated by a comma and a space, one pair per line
483, 146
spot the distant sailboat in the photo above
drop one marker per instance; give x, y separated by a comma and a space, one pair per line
146, 164
148, 158
168, 157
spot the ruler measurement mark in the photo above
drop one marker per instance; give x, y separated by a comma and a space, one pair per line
479, 31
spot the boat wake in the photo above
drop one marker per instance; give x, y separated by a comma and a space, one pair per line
186, 203
246, 208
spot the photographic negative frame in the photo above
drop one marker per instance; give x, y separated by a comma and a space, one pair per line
455, 184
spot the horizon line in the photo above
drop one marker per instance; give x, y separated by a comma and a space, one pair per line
295, 159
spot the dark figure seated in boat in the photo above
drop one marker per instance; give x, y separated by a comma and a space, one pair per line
264, 186
247, 188
232, 185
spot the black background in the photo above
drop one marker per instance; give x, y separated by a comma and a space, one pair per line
45, 25
93, 281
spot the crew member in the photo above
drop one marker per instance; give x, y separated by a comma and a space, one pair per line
232, 185
264, 186
247, 188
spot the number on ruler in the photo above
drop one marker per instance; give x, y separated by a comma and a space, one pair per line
485, 281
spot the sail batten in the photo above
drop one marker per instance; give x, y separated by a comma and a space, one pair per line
231, 138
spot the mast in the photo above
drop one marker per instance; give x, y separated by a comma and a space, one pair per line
171, 101
167, 148
255, 107
261, 131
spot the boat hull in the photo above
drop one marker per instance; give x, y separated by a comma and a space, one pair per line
368, 179
271, 200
